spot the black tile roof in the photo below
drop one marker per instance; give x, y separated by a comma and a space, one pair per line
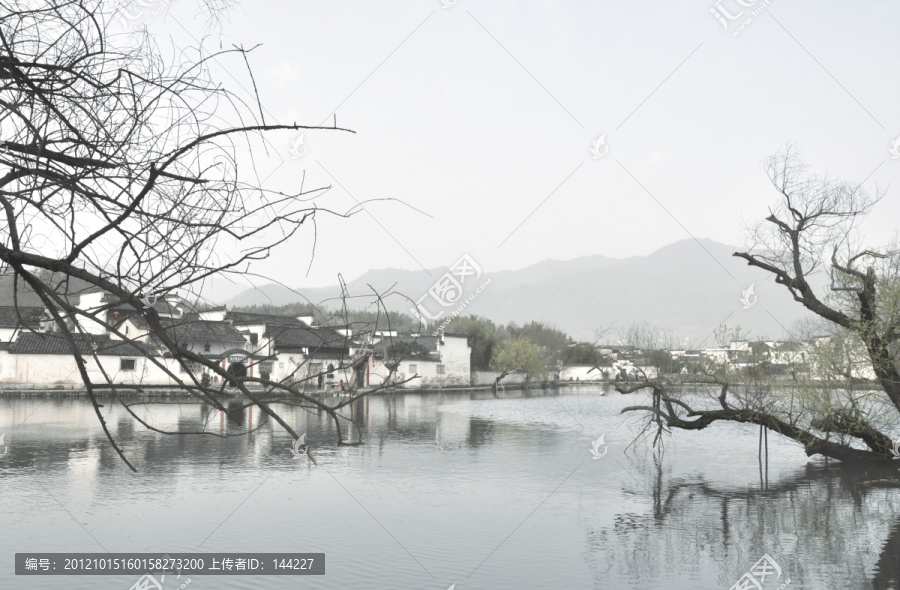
161, 306
55, 343
242, 318
427, 342
191, 328
13, 317
290, 337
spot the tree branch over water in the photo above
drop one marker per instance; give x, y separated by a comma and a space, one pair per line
129, 172
810, 230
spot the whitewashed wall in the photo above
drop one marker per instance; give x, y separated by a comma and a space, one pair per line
488, 377
51, 370
584, 373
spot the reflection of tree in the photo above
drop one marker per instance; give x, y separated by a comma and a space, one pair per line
827, 527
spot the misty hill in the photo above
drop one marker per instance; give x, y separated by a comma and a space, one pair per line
14, 290
688, 287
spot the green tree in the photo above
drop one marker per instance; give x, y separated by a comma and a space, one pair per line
582, 353
483, 336
517, 356
552, 342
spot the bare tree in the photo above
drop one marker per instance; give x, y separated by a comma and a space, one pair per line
812, 229
129, 173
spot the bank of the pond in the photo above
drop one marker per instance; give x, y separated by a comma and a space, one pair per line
167, 391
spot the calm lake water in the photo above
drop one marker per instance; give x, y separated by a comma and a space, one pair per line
452, 488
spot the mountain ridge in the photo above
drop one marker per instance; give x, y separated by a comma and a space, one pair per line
689, 287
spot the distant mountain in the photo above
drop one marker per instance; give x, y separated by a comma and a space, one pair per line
690, 287
14, 291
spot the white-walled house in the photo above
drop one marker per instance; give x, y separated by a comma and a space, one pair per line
47, 360
319, 357
33, 353
214, 340
443, 360
294, 348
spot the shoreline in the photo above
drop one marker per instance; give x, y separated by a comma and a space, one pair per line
166, 391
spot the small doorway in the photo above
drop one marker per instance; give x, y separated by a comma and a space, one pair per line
236, 370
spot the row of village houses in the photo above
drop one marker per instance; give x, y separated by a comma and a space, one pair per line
779, 357
33, 353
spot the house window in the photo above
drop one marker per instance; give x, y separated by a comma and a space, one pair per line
254, 338
126, 364
330, 371
206, 347
440, 369
413, 369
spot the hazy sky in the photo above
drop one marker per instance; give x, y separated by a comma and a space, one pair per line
480, 116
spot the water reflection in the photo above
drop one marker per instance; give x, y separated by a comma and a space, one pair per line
823, 524
450, 476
